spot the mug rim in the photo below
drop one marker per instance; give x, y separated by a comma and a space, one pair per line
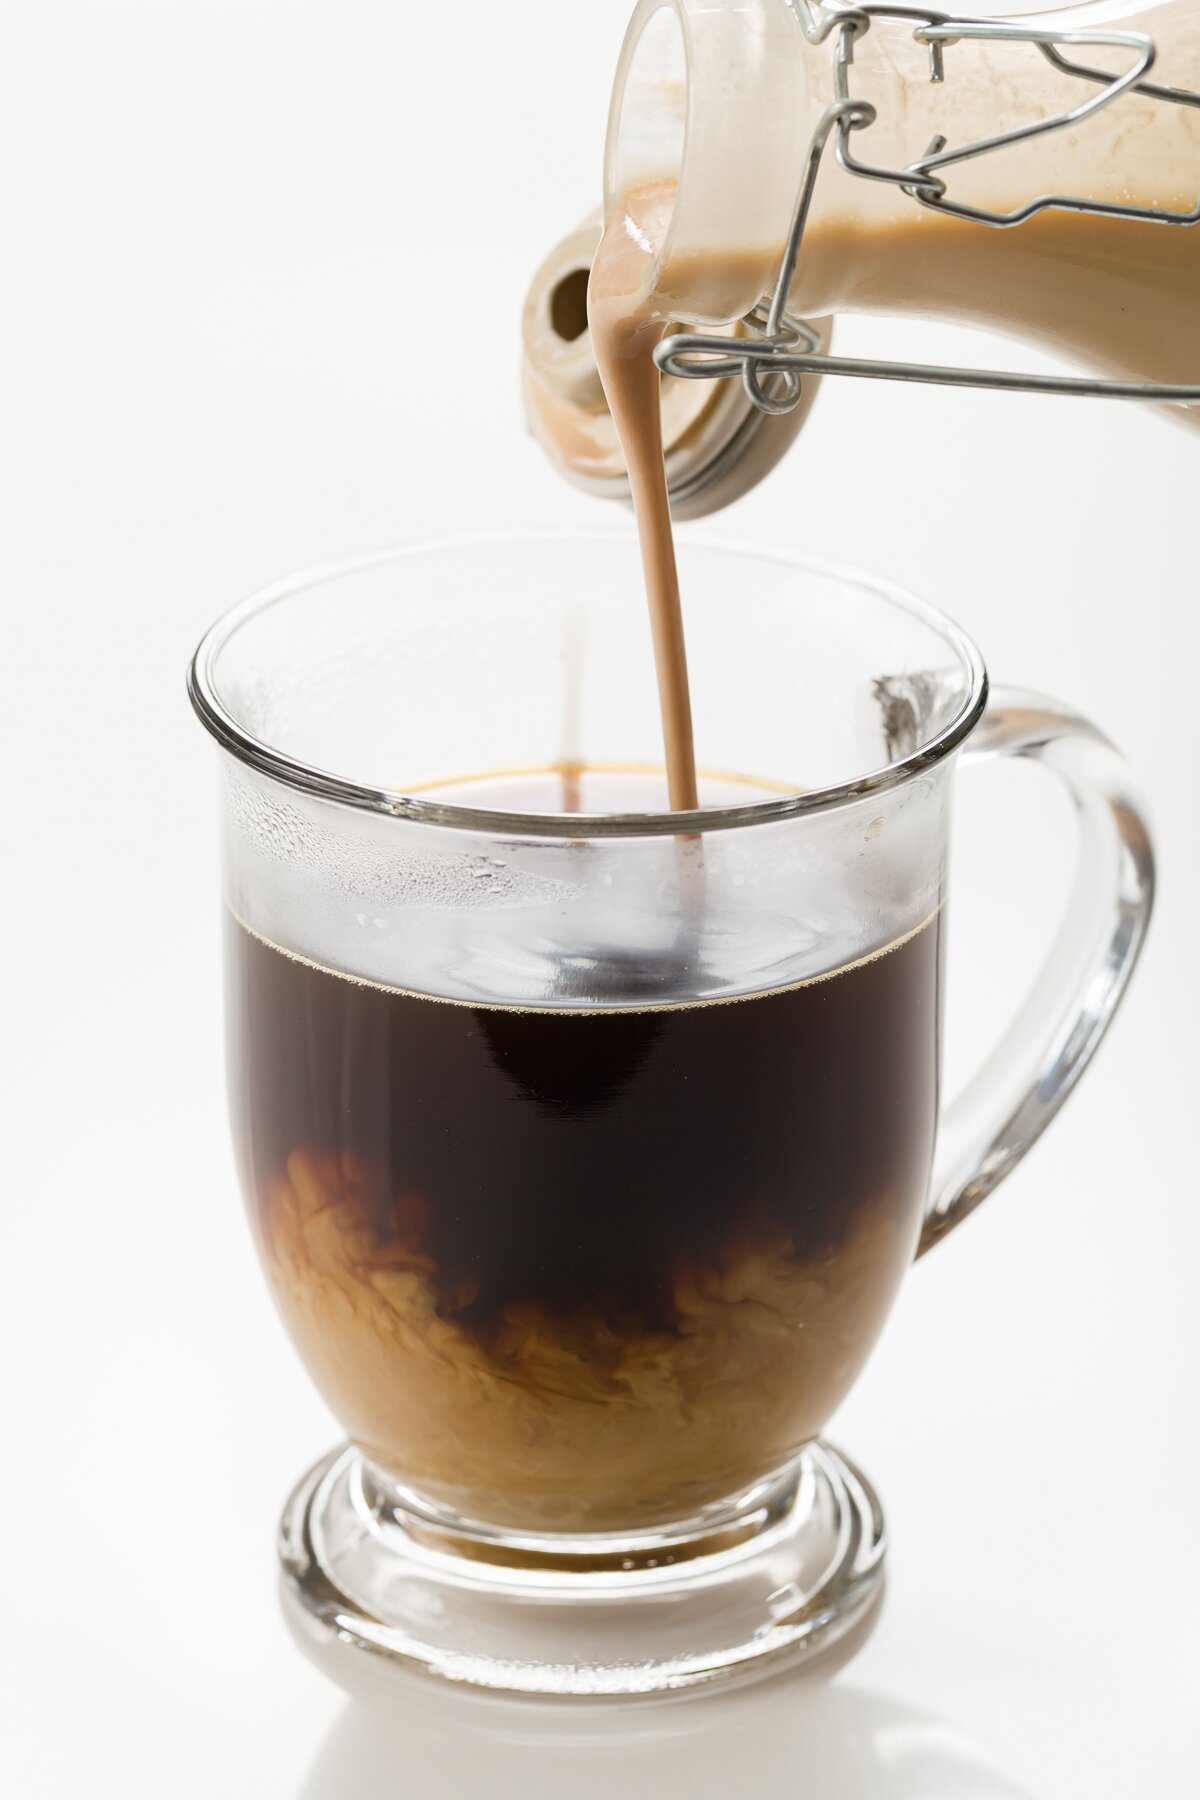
293, 772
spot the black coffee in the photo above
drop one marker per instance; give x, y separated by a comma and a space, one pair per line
573, 1159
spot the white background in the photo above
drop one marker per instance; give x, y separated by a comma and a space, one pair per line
262, 270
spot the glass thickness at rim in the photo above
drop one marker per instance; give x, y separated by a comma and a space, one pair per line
203, 691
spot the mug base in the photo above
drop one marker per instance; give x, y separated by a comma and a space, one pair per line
581, 1618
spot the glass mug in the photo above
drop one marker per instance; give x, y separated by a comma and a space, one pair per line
587, 1144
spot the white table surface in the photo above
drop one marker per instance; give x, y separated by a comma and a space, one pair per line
263, 271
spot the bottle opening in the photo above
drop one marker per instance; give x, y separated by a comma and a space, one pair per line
568, 306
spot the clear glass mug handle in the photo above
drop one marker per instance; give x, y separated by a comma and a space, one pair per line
986, 1130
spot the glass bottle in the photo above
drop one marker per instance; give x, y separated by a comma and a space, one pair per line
722, 99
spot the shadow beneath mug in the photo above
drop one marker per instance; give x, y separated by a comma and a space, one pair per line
796, 1735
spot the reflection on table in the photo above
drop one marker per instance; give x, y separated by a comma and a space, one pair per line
806, 1735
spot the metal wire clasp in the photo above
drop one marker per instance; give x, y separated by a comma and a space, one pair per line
779, 348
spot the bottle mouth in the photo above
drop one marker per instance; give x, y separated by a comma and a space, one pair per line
706, 424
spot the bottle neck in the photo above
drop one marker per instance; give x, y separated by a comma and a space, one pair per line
705, 98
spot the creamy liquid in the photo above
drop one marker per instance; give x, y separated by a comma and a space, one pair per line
1112, 295
625, 329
